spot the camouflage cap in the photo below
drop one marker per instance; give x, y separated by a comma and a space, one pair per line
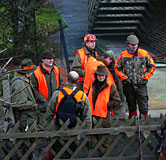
132, 39
90, 37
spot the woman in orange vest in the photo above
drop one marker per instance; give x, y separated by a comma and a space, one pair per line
82, 56
90, 68
103, 95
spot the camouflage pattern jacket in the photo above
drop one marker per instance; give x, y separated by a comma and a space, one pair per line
137, 68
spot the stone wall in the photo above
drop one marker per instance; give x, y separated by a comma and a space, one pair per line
153, 28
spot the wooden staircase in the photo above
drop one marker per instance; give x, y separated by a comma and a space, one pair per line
116, 18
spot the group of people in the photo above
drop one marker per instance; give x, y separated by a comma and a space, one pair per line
94, 87
100, 82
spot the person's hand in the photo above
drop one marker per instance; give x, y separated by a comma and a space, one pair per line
126, 82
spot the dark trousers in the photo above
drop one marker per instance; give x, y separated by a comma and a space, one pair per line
136, 95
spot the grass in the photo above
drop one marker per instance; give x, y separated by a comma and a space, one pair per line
48, 18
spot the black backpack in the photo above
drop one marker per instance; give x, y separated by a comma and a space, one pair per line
68, 108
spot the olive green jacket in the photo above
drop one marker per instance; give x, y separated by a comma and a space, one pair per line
86, 116
23, 101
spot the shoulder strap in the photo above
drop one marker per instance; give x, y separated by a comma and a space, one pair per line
65, 93
15, 78
74, 92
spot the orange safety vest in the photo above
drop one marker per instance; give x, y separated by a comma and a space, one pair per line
100, 109
78, 97
90, 68
42, 84
83, 57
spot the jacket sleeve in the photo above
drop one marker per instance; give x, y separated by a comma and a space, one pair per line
114, 98
51, 107
150, 68
87, 115
119, 69
76, 66
61, 84
20, 96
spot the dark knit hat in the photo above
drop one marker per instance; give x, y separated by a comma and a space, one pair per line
27, 66
47, 54
101, 70
132, 39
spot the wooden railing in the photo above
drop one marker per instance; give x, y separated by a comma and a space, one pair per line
92, 6
120, 141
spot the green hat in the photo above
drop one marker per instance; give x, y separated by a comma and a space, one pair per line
101, 70
27, 66
47, 54
132, 39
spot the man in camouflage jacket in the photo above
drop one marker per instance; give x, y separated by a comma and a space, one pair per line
134, 67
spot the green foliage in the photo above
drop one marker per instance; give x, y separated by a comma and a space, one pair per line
38, 23
47, 19
47, 23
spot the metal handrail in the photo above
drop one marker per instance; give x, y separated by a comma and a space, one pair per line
91, 5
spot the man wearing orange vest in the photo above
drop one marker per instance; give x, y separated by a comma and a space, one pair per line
134, 67
82, 56
103, 95
58, 95
45, 80
54, 105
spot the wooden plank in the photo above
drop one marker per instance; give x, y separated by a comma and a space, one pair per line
46, 149
130, 142
13, 150
113, 145
68, 149
64, 148
111, 131
97, 146
97, 124
149, 157
80, 147
30, 150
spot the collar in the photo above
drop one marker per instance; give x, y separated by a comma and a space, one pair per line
132, 52
22, 76
87, 50
45, 69
71, 86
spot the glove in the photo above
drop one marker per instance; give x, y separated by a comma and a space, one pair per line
109, 106
111, 112
126, 82
144, 81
